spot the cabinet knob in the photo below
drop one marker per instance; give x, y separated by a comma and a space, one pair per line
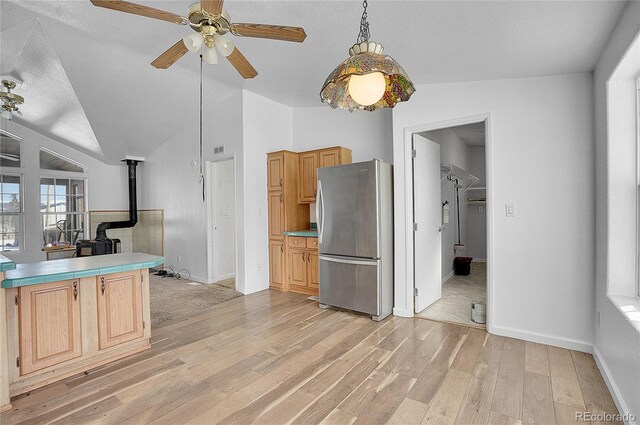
75, 291
102, 285
280, 181
281, 198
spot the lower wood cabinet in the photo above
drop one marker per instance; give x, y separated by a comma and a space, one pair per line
49, 325
277, 270
302, 265
120, 317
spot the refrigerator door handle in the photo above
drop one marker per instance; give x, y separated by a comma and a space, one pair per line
320, 211
348, 261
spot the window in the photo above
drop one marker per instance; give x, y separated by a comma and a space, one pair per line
50, 160
63, 209
9, 150
11, 214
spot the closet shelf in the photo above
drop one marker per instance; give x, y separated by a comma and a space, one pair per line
452, 173
476, 202
478, 188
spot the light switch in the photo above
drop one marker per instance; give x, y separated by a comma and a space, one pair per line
510, 210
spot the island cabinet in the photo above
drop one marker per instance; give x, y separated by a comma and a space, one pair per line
120, 315
308, 169
302, 264
50, 330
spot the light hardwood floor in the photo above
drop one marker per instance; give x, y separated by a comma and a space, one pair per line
276, 358
457, 295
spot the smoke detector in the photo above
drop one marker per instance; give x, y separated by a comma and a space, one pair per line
10, 101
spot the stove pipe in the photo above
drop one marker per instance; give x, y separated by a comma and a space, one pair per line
101, 231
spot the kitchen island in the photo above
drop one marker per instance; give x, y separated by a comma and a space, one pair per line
64, 317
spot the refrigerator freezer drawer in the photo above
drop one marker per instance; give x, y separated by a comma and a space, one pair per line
351, 283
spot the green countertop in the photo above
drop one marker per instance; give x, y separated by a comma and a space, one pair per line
306, 233
6, 264
75, 268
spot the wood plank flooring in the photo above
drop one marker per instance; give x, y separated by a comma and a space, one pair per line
276, 358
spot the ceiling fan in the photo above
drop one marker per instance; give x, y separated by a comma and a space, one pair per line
10, 101
210, 22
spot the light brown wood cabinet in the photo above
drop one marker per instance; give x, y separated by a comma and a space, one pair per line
285, 213
277, 270
49, 325
302, 265
120, 317
309, 164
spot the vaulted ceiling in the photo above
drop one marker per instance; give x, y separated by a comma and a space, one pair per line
88, 82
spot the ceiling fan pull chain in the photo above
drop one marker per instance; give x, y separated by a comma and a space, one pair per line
363, 35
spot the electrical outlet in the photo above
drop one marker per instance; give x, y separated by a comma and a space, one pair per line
179, 258
259, 268
510, 211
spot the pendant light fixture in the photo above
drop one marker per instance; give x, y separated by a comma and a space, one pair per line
368, 79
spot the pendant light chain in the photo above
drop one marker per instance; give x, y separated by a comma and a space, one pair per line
364, 25
201, 158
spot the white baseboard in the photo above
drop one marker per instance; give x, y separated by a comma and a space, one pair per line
447, 277
401, 312
225, 276
611, 384
557, 341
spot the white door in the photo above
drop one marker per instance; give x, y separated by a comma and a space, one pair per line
427, 210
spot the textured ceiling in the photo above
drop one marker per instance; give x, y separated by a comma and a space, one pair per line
132, 108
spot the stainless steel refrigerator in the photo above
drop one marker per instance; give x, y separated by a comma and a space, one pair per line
354, 210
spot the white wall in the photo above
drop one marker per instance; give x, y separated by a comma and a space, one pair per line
267, 127
106, 186
223, 199
617, 343
170, 180
476, 214
453, 150
541, 132
367, 134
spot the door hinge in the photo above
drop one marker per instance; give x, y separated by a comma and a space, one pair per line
415, 227
413, 153
142, 276
415, 292
144, 325
17, 361
17, 299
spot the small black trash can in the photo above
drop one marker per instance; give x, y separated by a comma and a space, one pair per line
462, 265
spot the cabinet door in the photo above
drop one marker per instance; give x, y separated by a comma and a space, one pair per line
329, 158
276, 215
297, 265
276, 264
50, 330
312, 267
275, 172
308, 177
120, 315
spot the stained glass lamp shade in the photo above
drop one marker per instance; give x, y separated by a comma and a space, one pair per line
366, 59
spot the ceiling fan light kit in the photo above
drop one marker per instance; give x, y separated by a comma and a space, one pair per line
10, 101
210, 22
367, 79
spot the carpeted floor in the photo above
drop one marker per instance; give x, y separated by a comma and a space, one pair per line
173, 299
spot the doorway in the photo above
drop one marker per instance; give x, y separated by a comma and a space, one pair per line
450, 210
221, 222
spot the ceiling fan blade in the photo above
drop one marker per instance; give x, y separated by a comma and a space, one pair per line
241, 64
275, 32
213, 7
138, 9
169, 57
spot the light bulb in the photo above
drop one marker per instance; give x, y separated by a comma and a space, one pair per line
367, 89
193, 42
209, 55
224, 45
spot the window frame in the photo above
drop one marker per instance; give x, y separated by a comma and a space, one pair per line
21, 239
64, 175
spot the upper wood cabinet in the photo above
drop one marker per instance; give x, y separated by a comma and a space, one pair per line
308, 169
49, 324
120, 315
307, 182
275, 171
